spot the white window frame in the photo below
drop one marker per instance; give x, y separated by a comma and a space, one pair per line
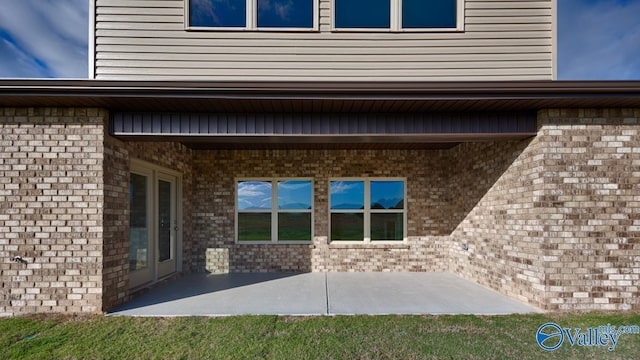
251, 21
367, 211
274, 211
395, 22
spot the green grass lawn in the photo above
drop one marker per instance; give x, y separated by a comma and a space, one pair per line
273, 337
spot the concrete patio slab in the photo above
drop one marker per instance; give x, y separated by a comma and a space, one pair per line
321, 294
234, 294
415, 293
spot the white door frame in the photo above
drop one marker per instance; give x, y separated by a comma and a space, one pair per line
157, 270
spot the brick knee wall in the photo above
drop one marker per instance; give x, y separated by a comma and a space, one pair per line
51, 196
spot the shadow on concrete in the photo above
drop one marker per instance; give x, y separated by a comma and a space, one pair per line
195, 285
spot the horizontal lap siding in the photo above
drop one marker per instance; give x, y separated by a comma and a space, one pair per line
503, 40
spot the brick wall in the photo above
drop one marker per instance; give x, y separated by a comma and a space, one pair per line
427, 198
504, 231
51, 196
559, 228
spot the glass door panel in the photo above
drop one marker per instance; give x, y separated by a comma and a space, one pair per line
139, 231
164, 220
166, 225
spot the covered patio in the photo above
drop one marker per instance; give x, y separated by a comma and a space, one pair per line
490, 172
309, 294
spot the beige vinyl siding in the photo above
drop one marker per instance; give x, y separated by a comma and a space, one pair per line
503, 40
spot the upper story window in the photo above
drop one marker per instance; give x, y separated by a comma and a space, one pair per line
253, 14
398, 15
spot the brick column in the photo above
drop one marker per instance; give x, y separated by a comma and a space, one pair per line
560, 227
115, 273
51, 209
591, 207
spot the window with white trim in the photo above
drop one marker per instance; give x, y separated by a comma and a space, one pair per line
398, 15
252, 14
274, 210
367, 210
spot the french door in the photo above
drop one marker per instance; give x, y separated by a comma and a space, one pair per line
154, 223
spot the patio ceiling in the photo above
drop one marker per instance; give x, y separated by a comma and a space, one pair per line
322, 130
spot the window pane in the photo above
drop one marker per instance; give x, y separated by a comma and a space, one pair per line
218, 13
387, 227
347, 227
294, 227
138, 231
254, 195
362, 13
254, 227
294, 195
164, 220
429, 14
285, 13
347, 195
387, 194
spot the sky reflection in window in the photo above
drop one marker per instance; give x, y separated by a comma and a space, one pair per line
285, 13
294, 195
254, 195
347, 195
218, 13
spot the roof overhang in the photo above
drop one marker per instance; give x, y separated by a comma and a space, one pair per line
314, 97
433, 103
